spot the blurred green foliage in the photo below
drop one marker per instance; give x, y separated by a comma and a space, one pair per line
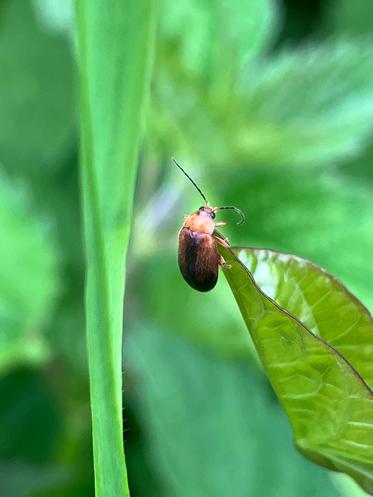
269, 105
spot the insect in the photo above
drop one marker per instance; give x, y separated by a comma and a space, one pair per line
198, 256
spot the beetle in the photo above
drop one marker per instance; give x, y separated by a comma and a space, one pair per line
198, 256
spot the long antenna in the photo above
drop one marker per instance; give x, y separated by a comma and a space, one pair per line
190, 179
241, 214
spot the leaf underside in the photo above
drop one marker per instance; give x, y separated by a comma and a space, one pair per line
316, 353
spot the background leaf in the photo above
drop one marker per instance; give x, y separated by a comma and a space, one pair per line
25, 466
28, 280
32, 94
309, 106
58, 17
238, 33
229, 422
347, 18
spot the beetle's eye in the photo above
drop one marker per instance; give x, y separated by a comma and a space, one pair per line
201, 209
212, 215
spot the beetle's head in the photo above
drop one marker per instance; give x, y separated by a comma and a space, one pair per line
210, 212
207, 211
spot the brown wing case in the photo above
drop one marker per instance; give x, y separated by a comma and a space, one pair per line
198, 259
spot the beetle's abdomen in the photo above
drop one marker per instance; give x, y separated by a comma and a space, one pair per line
198, 259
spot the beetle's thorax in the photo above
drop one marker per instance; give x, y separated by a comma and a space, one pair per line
200, 221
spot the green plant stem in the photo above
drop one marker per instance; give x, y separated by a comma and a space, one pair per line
114, 40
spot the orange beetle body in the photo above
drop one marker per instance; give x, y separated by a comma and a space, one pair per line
198, 256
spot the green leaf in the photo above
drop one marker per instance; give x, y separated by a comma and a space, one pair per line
27, 407
211, 426
346, 486
327, 402
115, 41
28, 278
19, 479
37, 111
57, 16
319, 300
208, 34
202, 48
351, 18
308, 106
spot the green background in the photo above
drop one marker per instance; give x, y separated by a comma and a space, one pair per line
269, 105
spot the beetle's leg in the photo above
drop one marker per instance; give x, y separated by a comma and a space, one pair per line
221, 223
222, 263
225, 243
222, 241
